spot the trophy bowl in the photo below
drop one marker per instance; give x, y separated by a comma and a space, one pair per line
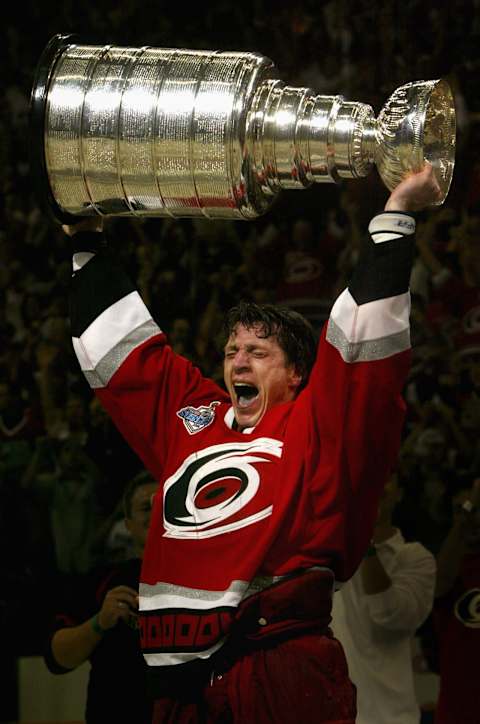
417, 124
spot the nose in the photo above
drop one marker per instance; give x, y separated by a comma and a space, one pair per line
241, 361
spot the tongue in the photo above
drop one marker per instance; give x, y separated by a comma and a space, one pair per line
246, 400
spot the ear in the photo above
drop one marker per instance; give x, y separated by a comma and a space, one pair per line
295, 378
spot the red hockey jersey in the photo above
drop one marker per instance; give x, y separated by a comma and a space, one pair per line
239, 511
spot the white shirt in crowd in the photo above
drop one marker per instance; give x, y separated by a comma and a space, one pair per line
376, 631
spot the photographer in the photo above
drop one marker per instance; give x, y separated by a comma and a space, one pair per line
99, 623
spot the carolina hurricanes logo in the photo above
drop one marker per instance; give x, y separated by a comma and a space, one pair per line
303, 269
467, 608
210, 491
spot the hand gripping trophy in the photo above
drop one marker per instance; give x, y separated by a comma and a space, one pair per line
182, 133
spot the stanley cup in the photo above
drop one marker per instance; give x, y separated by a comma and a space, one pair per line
181, 133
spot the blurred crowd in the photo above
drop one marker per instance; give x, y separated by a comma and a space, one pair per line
63, 466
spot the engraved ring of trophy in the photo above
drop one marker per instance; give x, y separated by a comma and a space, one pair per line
120, 131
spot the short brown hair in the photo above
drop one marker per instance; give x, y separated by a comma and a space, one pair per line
293, 332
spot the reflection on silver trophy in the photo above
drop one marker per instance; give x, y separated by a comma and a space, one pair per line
164, 132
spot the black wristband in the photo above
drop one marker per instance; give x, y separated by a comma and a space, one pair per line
383, 270
93, 241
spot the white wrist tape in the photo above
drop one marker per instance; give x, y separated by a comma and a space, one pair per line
81, 258
385, 227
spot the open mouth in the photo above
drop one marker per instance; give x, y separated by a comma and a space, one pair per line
245, 394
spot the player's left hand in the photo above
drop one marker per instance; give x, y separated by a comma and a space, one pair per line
416, 192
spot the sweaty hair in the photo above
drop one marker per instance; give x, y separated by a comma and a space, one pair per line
142, 478
292, 331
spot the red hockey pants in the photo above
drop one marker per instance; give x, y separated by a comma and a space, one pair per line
301, 680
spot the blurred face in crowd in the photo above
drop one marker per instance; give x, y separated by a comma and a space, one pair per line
180, 335
181, 328
431, 445
97, 414
473, 539
470, 250
475, 371
391, 496
257, 374
470, 414
138, 519
4, 396
76, 412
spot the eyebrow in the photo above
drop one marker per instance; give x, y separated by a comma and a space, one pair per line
249, 347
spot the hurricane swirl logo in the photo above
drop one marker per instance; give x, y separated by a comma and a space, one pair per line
207, 495
304, 269
467, 608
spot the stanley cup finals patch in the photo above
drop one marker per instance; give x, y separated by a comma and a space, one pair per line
197, 418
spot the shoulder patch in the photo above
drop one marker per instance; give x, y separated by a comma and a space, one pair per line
197, 418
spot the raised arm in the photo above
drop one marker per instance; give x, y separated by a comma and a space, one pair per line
402, 600
122, 351
355, 390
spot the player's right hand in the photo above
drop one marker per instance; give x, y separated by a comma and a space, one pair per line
86, 223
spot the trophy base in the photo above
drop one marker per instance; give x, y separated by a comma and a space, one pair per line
37, 115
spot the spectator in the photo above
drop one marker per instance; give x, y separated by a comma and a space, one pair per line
457, 610
115, 460
376, 614
98, 622
63, 481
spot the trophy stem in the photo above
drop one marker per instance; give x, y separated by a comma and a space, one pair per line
297, 138
370, 140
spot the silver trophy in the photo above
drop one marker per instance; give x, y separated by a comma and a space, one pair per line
181, 133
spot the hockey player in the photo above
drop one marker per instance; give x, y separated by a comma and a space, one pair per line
269, 491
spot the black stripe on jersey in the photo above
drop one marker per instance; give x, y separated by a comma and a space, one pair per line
383, 270
95, 287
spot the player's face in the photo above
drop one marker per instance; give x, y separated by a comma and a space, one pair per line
256, 375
